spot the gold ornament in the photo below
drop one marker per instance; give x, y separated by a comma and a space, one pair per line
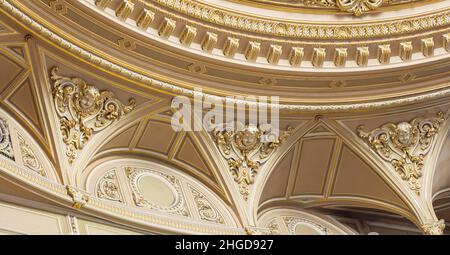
84, 110
246, 149
405, 145
108, 187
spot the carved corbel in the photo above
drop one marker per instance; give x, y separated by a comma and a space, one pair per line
434, 228
79, 199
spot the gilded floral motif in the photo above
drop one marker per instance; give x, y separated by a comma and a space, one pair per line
84, 110
29, 158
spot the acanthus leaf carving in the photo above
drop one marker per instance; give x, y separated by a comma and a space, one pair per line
247, 149
405, 145
205, 209
84, 110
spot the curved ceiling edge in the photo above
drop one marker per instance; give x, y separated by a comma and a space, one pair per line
119, 70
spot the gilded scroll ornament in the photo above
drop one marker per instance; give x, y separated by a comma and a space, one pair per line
435, 228
246, 150
108, 187
5, 140
29, 159
405, 145
205, 208
84, 110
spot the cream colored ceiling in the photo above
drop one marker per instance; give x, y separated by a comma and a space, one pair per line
322, 164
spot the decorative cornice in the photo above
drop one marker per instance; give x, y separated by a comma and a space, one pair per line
78, 197
405, 145
84, 110
44, 32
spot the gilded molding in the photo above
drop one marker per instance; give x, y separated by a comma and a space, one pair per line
274, 53
83, 110
208, 13
205, 209
340, 57
318, 57
296, 56
246, 150
362, 56
434, 228
384, 53
6, 148
108, 187
405, 145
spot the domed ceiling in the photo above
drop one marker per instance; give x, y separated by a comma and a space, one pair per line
352, 76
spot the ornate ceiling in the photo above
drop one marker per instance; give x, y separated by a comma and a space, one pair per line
85, 118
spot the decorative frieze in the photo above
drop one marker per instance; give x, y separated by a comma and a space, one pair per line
405, 145
434, 228
84, 110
